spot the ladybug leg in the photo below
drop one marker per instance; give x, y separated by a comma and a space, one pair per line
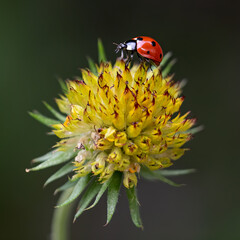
129, 57
122, 54
148, 63
141, 59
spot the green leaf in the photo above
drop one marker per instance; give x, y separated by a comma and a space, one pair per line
195, 130
44, 157
67, 168
56, 158
90, 193
92, 66
65, 186
168, 68
54, 112
77, 190
166, 57
156, 175
101, 52
113, 193
134, 206
100, 193
42, 119
170, 173
63, 85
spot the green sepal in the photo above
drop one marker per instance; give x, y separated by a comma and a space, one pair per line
65, 186
92, 66
77, 190
168, 68
44, 157
56, 158
104, 187
177, 172
67, 168
195, 130
101, 52
134, 207
44, 120
113, 194
156, 175
166, 57
63, 85
55, 113
87, 197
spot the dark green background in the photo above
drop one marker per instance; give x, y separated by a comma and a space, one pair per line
43, 40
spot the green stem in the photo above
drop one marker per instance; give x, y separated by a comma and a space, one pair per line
61, 218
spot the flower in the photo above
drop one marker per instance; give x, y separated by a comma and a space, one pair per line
122, 119
118, 121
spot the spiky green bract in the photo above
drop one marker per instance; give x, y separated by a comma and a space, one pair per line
113, 194
88, 196
134, 206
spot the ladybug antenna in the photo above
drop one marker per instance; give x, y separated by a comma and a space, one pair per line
115, 43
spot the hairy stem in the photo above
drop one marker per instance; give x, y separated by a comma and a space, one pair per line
61, 219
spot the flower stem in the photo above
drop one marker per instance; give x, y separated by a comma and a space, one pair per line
61, 219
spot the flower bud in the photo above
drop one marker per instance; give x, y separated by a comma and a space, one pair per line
166, 162
109, 133
103, 144
81, 171
130, 148
155, 134
134, 129
82, 156
123, 163
120, 139
99, 164
107, 173
115, 156
143, 142
129, 180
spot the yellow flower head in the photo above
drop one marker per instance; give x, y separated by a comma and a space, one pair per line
122, 119
117, 122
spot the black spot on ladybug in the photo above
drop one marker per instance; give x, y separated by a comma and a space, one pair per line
160, 55
148, 52
139, 38
153, 43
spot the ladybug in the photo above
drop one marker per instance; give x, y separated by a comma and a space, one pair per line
146, 48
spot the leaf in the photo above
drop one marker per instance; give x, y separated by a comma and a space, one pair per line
63, 85
54, 112
166, 57
90, 193
156, 175
100, 193
77, 190
113, 193
65, 186
134, 206
168, 68
56, 158
101, 52
195, 130
44, 157
92, 66
67, 168
42, 119
178, 172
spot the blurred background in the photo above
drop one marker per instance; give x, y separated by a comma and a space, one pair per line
41, 41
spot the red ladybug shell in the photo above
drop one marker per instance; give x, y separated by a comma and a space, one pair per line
149, 48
